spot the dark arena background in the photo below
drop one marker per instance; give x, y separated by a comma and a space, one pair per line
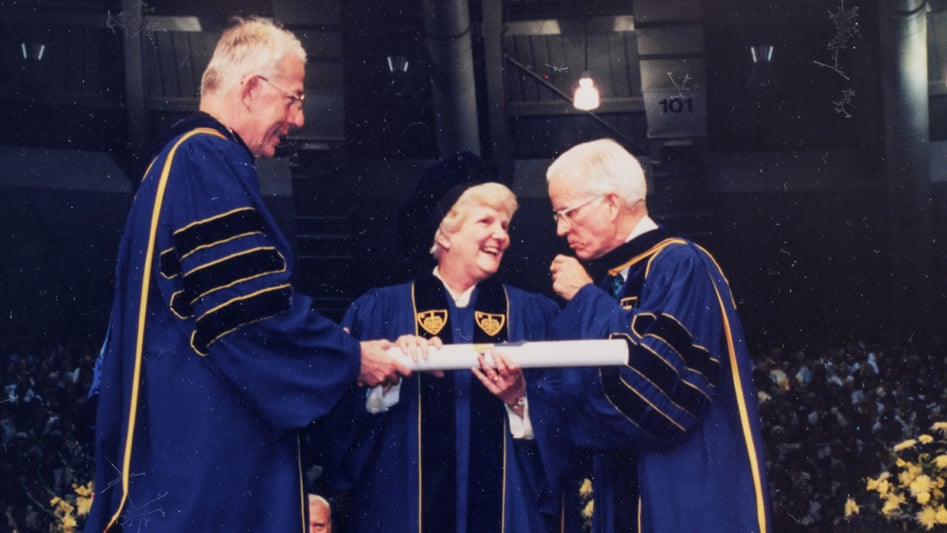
803, 142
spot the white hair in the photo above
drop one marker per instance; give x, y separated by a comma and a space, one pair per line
251, 46
605, 167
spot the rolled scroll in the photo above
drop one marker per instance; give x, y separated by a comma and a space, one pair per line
536, 354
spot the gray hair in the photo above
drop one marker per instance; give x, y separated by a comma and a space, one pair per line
251, 46
604, 166
317, 498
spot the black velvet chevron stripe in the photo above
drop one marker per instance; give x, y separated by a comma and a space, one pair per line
634, 407
169, 264
669, 330
212, 230
238, 313
234, 268
667, 380
181, 305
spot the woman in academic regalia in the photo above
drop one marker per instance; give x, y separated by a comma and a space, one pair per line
456, 452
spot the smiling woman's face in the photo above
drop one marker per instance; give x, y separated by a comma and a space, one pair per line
476, 249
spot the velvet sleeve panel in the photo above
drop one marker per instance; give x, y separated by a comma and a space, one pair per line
226, 272
669, 381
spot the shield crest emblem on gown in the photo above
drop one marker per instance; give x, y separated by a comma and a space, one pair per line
432, 321
490, 323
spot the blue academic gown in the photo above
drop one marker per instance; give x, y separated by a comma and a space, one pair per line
674, 436
213, 362
379, 462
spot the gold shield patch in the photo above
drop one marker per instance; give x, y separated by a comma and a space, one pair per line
491, 323
432, 321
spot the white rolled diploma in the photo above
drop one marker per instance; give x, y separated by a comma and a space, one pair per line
535, 354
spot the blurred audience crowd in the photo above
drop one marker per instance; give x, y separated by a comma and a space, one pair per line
45, 427
830, 415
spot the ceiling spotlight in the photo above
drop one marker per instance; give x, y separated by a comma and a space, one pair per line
763, 75
33, 51
397, 64
586, 95
761, 54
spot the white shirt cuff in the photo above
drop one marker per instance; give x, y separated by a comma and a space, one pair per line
379, 401
520, 428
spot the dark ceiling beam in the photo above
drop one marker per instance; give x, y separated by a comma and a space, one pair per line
566, 8
60, 17
559, 108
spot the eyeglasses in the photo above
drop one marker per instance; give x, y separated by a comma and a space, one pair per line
567, 214
296, 100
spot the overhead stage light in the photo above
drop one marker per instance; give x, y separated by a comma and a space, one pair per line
33, 51
586, 96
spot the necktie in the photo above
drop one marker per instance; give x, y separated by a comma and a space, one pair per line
616, 284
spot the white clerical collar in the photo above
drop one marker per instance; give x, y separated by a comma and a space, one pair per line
460, 300
643, 226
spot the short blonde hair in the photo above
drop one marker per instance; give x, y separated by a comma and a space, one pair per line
604, 166
250, 46
490, 194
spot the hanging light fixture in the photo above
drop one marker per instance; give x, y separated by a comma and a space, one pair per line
33, 51
762, 71
586, 96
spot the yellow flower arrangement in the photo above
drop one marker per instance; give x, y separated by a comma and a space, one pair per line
587, 502
69, 510
911, 491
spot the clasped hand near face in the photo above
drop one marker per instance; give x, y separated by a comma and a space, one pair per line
568, 276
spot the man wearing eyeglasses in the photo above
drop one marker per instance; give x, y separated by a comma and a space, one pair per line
674, 435
213, 363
